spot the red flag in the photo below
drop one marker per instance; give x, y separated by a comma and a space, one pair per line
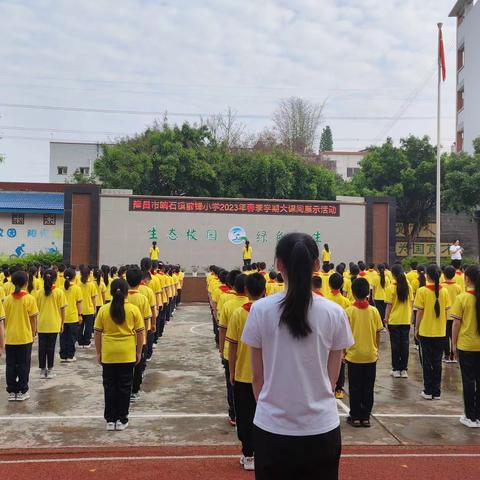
441, 54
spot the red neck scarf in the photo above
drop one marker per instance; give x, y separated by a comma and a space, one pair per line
362, 274
335, 292
472, 292
19, 295
224, 288
458, 272
320, 294
450, 282
247, 306
361, 304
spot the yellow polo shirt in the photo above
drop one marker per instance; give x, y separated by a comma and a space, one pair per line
18, 310
88, 292
401, 312
339, 299
236, 301
431, 325
49, 318
465, 310
73, 296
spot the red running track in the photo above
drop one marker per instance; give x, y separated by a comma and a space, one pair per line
192, 463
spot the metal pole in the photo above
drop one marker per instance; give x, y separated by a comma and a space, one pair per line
438, 199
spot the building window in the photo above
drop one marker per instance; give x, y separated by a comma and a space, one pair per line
18, 219
351, 171
460, 99
461, 57
62, 170
84, 170
49, 219
460, 141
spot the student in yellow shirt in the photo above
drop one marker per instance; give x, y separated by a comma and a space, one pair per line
412, 275
271, 284
234, 301
398, 299
154, 251
2, 328
454, 289
20, 329
362, 357
335, 295
432, 303
466, 344
180, 277
32, 284
317, 286
60, 275
89, 299
145, 290
113, 273
119, 333
73, 314
325, 276
354, 272
51, 304
241, 370
134, 278
106, 281
247, 253
100, 288
379, 282
459, 277
326, 255
280, 283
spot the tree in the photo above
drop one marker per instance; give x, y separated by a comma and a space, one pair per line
81, 178
226, 129
476, 146
407, 173
297, 121
326, 140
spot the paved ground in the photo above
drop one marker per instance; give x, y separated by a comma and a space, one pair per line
184, 402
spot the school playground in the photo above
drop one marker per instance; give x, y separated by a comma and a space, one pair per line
179, 428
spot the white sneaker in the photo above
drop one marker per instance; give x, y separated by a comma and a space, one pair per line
396, 374
71, 360
249, 463
12, 397
425, 396
437, 398
468, 423
392, 372
87, 347
404, 374
110, 426
121, 426
50, 373
43, 373
21, 397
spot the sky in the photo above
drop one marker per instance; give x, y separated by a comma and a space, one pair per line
64, 62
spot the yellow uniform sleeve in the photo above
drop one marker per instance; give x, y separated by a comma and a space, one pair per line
138, 321
378, 320
99, 321
221, 317
448, 302
419, 303
457, 309
2, 311
232, 335
389, 294
32, 308
78, 295
62, 299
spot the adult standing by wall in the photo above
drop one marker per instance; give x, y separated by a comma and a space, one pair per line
326, 254
294, 335
154, 251
247, 253
456, 250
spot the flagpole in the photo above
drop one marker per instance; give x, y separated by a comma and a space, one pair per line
438, 197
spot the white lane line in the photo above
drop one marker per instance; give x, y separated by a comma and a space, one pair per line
194, 331
222, 457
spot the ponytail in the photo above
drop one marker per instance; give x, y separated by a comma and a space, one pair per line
69, 275
354, 271
119, 291
421, 276
19, 279
84, 273
49, 277
97, 274
473, 273
298, 252
31, 277
381, 271
403, 291
105, 274
433, 274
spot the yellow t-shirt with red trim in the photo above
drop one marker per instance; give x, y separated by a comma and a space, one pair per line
18, 310
431, 325
401, 312
49, 317
465, 310
73, 296
236, 301
88, 292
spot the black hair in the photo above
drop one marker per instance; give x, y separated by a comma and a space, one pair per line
354, 271
298, 253
61, 267
19, 279
113, 271
97, 274
49, 277
449, 272
105, 274
317, 282
403, 291
421, 275
360, 288
413, 265
232, 275
68, 275
122, 270
381, 271
340, 268
272, 275
119, 291
473, 273
326, 247
335, 281
262, 266
32, 271
134, 277
239, 283
222, 276
254, 266
326, 267
247, 243
433, 272
279, 277
84, 273
362, 266
255, 285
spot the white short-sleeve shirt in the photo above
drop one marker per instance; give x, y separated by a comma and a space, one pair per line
455, 252
297, 398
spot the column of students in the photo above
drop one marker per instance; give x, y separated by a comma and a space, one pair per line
374, 298
50, 301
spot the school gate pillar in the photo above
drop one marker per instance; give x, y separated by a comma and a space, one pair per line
81, 224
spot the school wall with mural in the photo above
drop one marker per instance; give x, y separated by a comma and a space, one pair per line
30, 223
196, 232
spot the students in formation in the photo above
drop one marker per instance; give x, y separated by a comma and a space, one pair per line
58, 299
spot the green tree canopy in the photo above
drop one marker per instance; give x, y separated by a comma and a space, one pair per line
326, 140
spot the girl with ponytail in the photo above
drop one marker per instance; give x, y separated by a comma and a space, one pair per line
52, 304
89, 300
100, 288
73, 316
380, 283
432, 303
106, 280
119, 331
295, 335
398, 299
466, 344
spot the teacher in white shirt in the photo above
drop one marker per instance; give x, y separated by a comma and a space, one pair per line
296, 342
456, 250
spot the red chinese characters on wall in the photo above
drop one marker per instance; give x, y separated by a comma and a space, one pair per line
247, 207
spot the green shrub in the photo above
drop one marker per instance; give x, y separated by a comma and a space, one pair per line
41, 258
422, 260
